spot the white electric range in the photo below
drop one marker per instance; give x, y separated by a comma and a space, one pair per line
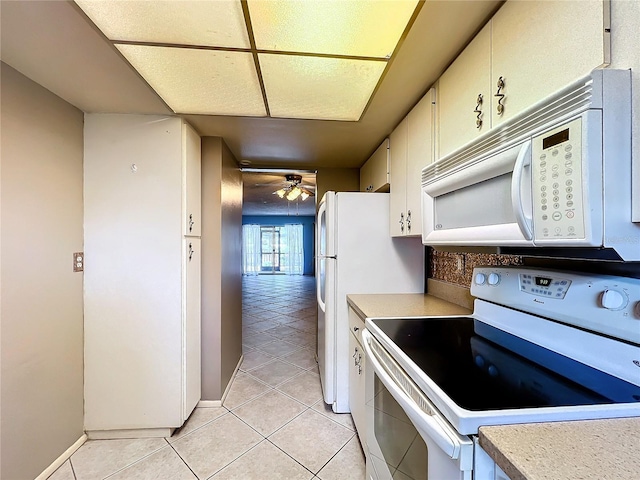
541, 346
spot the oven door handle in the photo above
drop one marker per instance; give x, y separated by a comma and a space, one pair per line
430, 427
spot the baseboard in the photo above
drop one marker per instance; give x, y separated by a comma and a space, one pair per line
130, 433
219, 403
47, 472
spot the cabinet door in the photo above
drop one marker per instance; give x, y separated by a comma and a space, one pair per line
419, 155
398, 179
458, 89
191, 158
191, 325
540, 47
374, 174
356, 387
366, 176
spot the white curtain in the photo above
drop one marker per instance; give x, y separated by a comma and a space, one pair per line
251, 257
295, 246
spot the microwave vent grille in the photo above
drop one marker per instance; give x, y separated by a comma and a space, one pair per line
563, 105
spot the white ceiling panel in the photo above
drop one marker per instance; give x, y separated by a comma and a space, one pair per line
200, 81
219, 23
318, 87
367, 28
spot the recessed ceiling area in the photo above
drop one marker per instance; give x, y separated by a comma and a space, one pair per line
57, 45
288, 58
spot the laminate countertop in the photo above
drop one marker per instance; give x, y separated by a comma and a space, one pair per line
585, 450
403, 305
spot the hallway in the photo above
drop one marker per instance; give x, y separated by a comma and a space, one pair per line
273, 423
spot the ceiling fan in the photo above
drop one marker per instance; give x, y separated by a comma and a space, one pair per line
293, 190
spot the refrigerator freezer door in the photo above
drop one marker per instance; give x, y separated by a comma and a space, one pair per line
325, 285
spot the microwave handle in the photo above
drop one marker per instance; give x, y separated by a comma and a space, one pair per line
427, 425
519, 181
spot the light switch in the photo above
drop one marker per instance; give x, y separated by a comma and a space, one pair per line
78, 262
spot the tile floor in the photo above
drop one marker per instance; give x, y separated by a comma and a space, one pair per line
273, 423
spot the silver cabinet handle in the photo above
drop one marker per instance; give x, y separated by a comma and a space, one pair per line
355, 329
500, 96
191, 251
409, 221
401, 222
478, 111
191, 222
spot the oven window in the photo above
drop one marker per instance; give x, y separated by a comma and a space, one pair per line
403, 449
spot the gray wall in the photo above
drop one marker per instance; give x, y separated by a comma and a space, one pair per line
337, 179
221, 267
42, 323
231, 319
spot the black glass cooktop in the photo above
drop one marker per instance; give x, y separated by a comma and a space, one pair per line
483, 368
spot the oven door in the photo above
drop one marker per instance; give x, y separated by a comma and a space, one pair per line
407, 437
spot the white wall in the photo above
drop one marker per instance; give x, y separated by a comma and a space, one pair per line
42, 325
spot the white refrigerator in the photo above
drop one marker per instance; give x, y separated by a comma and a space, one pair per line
355, 255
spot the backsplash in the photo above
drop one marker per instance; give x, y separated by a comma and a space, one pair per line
457, 268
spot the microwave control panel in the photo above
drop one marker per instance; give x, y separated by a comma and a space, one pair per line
556, 171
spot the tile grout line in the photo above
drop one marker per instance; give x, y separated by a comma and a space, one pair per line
137, 461
183, 460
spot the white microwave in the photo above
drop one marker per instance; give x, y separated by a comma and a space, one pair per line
558, 175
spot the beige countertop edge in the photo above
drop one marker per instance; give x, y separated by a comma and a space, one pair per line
585, 449
403, 305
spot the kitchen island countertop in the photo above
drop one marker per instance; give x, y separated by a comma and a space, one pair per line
585, 449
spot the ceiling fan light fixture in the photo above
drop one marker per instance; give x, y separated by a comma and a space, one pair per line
304, 195
281, 193
294, 193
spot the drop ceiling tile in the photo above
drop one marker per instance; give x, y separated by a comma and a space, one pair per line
200, 81
220, 23
318, 87
369, 28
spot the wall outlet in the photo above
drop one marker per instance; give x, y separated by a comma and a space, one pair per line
78, 262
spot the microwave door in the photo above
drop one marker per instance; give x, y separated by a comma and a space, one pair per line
485, 203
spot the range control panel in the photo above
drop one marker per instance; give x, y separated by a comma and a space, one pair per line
544, 285
556, 170
601, 303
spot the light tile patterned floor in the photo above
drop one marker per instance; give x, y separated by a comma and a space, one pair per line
274, 424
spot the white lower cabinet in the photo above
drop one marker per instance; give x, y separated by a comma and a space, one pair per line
142, 282
357, 368
484, 467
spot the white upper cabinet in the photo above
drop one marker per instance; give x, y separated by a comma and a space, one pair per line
419, 155
540, 47
398, 178
374, 174
464, 88
411, 149
191, 191
533, 49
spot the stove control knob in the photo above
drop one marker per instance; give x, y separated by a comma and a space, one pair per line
494, 279
480, 278
614, 299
